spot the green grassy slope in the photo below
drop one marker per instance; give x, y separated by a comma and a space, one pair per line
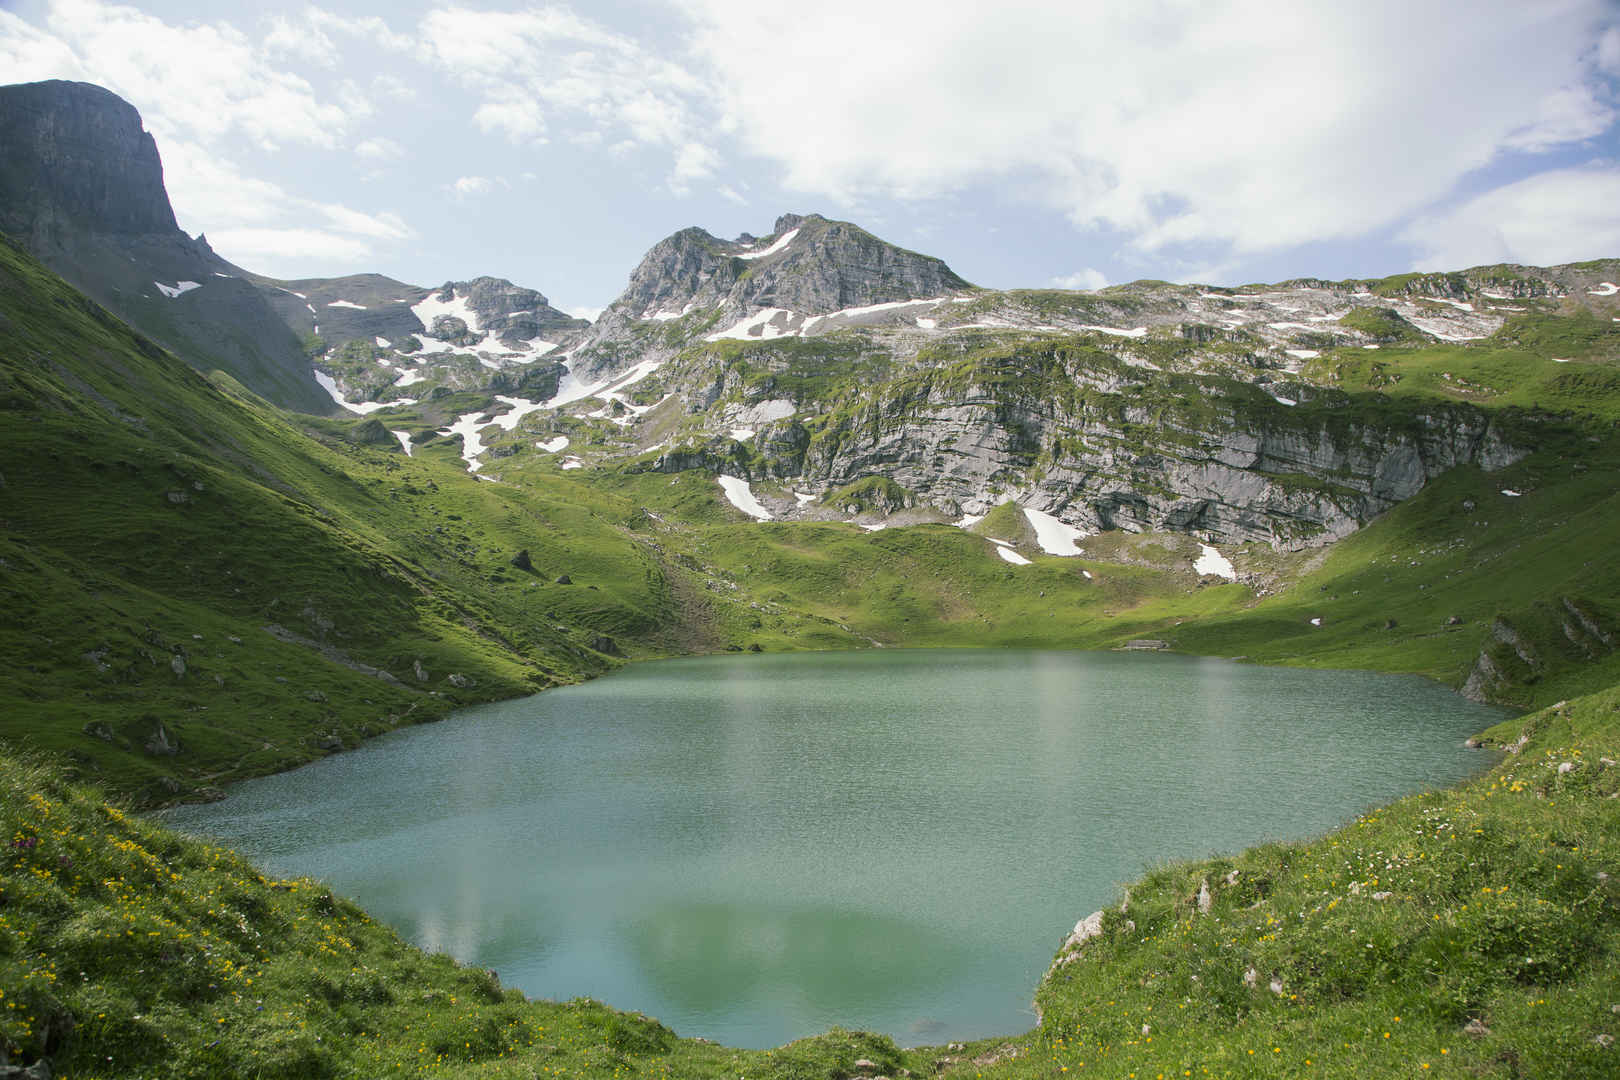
188, 568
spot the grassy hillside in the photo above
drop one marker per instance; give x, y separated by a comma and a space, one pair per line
202, 587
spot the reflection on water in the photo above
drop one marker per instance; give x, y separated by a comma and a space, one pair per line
756, 848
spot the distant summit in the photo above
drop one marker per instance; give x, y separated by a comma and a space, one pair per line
809, 266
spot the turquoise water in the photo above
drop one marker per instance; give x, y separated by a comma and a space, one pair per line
755, 848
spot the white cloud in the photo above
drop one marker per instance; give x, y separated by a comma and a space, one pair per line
1569, 114
467, 186
199, 80
300, 42
1566, 215
288, 253
1240, 123
28, 54
726, 191
1085, 278
259, 224
379, 148
392, 87
542, 69
580, 311
519, 119
1608, 51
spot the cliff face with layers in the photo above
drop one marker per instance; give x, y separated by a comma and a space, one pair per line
1078, 434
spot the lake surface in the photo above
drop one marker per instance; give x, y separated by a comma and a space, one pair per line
755, 848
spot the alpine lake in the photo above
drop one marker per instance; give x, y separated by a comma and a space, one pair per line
754, 848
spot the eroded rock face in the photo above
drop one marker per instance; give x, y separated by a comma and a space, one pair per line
512, 313
1134, 452
77, 155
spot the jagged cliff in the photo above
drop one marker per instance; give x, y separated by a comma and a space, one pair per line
692, 285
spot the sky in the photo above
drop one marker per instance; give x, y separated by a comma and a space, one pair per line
1029, 143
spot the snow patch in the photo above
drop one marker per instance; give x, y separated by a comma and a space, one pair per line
1279, 399
665, 316
468, 425
330, 385
347, 304
384, 343
410, 378
431, 346
782, 242
1369, 346
1510, 493
1606, 288
770, 323
552, 446
742, 433
1458, 304
927, 324
521, 407
1210, 561
1316, 621
404, 438
855, 313
740, 495
179, 288
431, 307
1139, 332
1009, 555
1087, 573
1302, 354
570, 389
804, 497
572, 463
967, 521
1560, 360
1054, 536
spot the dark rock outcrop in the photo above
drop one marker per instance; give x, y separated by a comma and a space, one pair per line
77, 158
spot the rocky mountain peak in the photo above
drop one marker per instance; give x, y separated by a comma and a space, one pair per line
77, 157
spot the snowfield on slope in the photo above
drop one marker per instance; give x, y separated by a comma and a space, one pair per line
1211, 561
1055, 537
740, 495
